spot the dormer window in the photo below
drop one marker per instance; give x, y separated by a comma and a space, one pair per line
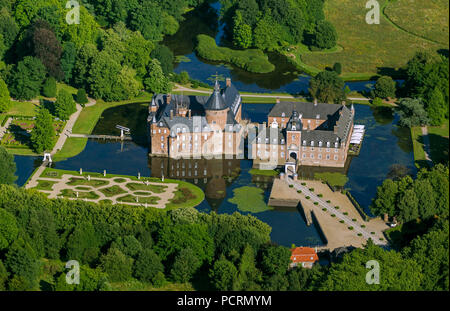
160, 124
318, 116
304, 143
184, 130
283, 114
320, 144
178, 130
282, 141
259, 140
293, 127
300, 116
312, 143
335, 145
328, 144
267, 140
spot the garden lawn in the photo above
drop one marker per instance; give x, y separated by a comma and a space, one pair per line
72, 147
89, 116
439, 143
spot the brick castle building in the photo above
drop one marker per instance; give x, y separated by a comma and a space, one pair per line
309, 134
196, 126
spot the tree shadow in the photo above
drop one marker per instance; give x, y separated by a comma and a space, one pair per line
49, 105
20, 135
395, 73
438, 148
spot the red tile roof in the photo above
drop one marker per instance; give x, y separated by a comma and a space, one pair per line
304, 254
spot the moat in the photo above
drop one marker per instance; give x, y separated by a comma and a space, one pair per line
385, 144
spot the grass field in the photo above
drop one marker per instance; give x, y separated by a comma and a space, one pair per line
439, 143
430, 22
375, 49
90, 115
72, 147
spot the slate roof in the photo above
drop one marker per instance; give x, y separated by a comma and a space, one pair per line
276, 136
216, 101
295, 123
228, 97
306, 110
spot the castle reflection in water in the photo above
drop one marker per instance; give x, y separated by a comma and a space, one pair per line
214, 176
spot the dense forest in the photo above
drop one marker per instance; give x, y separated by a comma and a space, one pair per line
112, 54
123, 248
273, 25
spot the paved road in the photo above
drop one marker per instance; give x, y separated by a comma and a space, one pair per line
185, 89
322, 204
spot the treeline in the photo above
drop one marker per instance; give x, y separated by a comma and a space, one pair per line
276, 24
119, 246
112, 54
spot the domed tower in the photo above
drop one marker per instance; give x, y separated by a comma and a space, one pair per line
216, 109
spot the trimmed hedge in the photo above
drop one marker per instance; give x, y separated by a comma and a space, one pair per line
251, 60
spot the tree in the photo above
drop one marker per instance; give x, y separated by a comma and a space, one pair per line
81, 97
22, 262
47, 48
147, 265
8, 229
27, 78
185, 265
436, 107
7, 167
266, 33
5, 100
337, 67
83, 64
128, 245
325, 35
49, 88
8, 28
384, 87
117, 265
275, 259
103, 77
431, 251
64, 105
327, 87
242, 32
83, 244
137, 54
165, 57
156, 81
3, 276
412, 112
147, 19
385, 200
43, 134
223, 274
68, 58
397, 273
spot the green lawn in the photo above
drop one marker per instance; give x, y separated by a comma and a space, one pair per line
90, 115
439, 143
72, 147
45, 185
150, 187
249, 199
372, 49
112, 191
255, 171
419, 152
187, 195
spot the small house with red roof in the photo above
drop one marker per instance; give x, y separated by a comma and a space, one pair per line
303, 256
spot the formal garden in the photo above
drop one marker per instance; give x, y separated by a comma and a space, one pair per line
116, 189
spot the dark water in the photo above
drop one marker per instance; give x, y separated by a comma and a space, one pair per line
285, 78
384, 145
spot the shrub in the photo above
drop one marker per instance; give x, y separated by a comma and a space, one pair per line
316, 203
336, 207
320, 195
353, 219
324, 209
359, 234
381, 239
303, 184
372, 232
81, 97
341, 221
333, 215
363, 226
307, 197
311, 189
291, 186
328, 201
350, 228
345, 213
49, 88
299, 191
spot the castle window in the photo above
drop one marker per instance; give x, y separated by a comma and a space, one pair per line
312, 155
159, 131
320, 144
282, 141
312, 143
328, 149
259, 140
283, 114
335, 145
320, 156
160, 124
300, 115
162, 146
184, 130
267, 140
293, 136
328, 144
335, 157
318, 116
282, 147
162, 138
293, 127
328, 156
304, 155
165, 131
304, 143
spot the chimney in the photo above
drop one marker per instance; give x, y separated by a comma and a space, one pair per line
228, 82
315, 101
278, 100
343, 103
190, 113
168, 98
171, 114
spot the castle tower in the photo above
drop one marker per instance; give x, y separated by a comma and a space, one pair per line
216, 109
293, 136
